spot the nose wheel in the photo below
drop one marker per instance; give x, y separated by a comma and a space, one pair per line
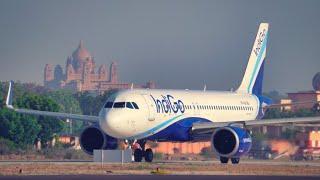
148, 155
140, 152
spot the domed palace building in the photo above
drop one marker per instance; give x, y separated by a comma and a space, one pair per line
303, 97
81, 75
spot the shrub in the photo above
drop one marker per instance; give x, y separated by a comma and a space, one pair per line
206, 152
6, 146
75, 154
158, 155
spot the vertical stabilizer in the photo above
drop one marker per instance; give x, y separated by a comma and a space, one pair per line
253, 76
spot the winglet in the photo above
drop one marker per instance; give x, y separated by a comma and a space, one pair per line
9, 96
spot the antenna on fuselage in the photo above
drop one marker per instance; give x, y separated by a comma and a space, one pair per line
205, 87
131, 86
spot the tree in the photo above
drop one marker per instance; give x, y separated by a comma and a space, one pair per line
87, 103
274, 95
68, 104
49, 126
21, 129
90, 103
6, 146
272, 113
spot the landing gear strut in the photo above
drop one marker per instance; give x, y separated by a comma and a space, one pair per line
140, 152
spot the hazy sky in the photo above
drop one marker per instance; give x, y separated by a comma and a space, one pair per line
178, 44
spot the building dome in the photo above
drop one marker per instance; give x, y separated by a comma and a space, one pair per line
81, 53
316, 82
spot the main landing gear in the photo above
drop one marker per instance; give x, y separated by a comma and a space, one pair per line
234, 160
140, 152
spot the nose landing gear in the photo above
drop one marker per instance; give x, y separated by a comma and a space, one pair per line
148, 155
138, 155
140, 152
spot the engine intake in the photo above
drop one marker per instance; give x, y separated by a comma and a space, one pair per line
231, 141
93, 138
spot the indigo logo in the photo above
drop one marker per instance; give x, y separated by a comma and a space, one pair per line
167, 104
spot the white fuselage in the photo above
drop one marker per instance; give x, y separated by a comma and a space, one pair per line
159, 109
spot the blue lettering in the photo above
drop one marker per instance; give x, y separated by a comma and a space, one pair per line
174, 107
157, 103
167, 104
181, 106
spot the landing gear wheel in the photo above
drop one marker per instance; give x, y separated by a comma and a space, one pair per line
138, 153
148, 155
235, 160
224, 160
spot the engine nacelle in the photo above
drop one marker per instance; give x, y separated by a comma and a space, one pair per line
231, 141
94, 138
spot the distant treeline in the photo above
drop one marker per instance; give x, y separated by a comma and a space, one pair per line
23, 130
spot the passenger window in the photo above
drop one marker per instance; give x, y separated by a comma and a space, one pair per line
108, 105
129, 105
135, 105
119, 105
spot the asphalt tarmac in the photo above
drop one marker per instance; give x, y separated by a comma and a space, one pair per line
250, 162
157, 177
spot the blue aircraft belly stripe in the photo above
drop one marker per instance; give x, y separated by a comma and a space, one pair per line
258, 61
155, 129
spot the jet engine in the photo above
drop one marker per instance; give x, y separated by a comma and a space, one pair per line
94, 138
231, 141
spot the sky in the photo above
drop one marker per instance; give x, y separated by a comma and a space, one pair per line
179, 44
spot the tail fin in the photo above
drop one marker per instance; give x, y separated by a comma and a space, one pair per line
253, 76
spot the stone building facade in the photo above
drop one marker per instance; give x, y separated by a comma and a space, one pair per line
81, 75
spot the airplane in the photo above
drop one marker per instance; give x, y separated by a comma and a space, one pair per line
140, 115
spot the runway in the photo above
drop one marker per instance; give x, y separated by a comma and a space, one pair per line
248, 162
203, 169
157, 177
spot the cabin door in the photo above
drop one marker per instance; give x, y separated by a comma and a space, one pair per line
151, 107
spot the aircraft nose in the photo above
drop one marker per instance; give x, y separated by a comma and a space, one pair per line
110, 124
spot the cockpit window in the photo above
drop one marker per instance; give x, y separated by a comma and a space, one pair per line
119, 105
129, 105
135, 105
108, 105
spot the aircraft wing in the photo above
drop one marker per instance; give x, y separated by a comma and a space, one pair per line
86, 118
204, 128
